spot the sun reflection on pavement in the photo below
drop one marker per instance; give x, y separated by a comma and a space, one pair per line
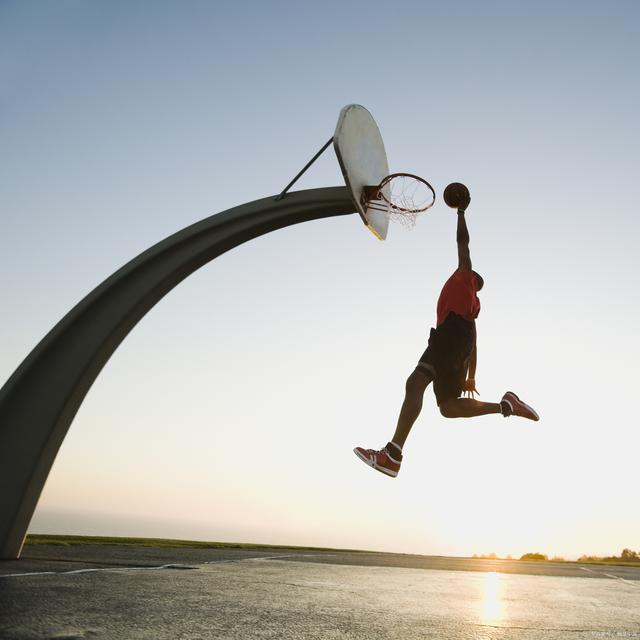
491, 605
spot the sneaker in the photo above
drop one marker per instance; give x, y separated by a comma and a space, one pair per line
519, 408
379, 460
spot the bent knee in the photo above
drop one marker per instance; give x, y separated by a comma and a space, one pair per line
417, 382
448, 410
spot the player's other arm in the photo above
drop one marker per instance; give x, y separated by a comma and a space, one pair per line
473, 361
470, 383
462, 238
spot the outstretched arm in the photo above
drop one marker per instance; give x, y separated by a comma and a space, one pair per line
462, 237
469, 386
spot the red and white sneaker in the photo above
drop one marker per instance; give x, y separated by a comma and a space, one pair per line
379, 460
519, 408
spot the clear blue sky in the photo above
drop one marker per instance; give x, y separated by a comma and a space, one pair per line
231, 410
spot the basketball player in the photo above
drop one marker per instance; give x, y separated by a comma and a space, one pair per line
449, 361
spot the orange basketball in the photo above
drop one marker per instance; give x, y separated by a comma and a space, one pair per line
456, 195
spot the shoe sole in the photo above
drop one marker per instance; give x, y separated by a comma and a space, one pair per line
373, 465
524, 404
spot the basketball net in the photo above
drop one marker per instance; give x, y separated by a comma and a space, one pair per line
401, 196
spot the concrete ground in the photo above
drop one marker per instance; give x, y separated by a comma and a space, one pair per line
135, 592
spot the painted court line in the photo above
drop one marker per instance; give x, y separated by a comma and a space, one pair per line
155, 568
609, 575
103, 569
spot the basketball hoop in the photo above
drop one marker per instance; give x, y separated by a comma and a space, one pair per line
401, 196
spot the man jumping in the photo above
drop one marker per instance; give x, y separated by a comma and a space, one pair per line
449, 362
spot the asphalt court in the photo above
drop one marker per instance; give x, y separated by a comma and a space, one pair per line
136, 592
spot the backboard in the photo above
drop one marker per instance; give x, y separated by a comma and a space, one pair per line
363, 160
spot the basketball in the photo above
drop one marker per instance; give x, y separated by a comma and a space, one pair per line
456, 196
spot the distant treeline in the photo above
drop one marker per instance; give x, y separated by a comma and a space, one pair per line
526, 556
627, 555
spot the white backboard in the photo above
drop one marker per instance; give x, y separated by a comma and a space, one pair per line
363, 160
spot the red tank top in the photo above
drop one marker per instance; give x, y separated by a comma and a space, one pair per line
459, 295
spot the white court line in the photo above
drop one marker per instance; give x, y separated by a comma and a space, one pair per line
164, 566
609, 575
298, 555
288, 555
262, 558
75, 571
242, 559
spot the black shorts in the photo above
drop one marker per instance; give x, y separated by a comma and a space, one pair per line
447, 356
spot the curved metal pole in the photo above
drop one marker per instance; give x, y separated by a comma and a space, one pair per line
41, 398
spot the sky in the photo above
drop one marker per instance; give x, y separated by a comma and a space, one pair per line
231, 410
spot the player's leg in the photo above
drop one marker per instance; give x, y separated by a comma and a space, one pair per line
388, 459
448, 389
415, 387
510, 405
468, 408
459, 337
